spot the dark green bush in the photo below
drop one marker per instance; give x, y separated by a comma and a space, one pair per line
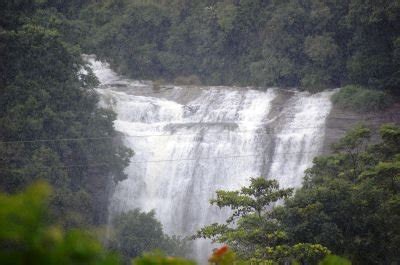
361, 99
136, 232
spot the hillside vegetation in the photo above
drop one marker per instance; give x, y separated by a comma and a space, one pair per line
52, 129
309, 43
45, 99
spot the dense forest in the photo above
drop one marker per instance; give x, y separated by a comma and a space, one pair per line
45, 99
349, 204
305, 43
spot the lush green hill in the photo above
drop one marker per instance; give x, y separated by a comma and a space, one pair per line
309, 43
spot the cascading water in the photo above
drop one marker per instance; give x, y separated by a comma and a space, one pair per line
191, 141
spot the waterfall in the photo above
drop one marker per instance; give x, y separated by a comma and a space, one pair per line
191, 141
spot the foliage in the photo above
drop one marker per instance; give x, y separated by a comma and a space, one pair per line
158, 258
349, 202
349, 205
334, 260
224, 256
253, 199
350, 199
136, 232
312, 44
361, 100
28, 237
249, 212
251, 231
302, 253
44, 99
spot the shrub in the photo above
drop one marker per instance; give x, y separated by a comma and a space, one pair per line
361, 99
28, 236
136, 232
154, 258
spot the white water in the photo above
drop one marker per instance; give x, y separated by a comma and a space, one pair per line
191, 141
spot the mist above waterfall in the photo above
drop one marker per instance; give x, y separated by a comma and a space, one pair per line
191, 141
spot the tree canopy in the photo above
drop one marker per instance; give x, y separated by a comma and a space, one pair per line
312, 44
46, 99
136, 232
252, 231
29, 237
350, 199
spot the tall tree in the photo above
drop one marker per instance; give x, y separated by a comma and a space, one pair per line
350, 200
252, 231
46, 99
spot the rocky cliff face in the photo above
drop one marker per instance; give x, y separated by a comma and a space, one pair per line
339, 121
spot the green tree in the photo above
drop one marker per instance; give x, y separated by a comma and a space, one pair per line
27, 236
249, 211
311, 44
350, 199
374, 26
136, 232
324, 59
362, 100
154, 258
252, 231
45, 98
